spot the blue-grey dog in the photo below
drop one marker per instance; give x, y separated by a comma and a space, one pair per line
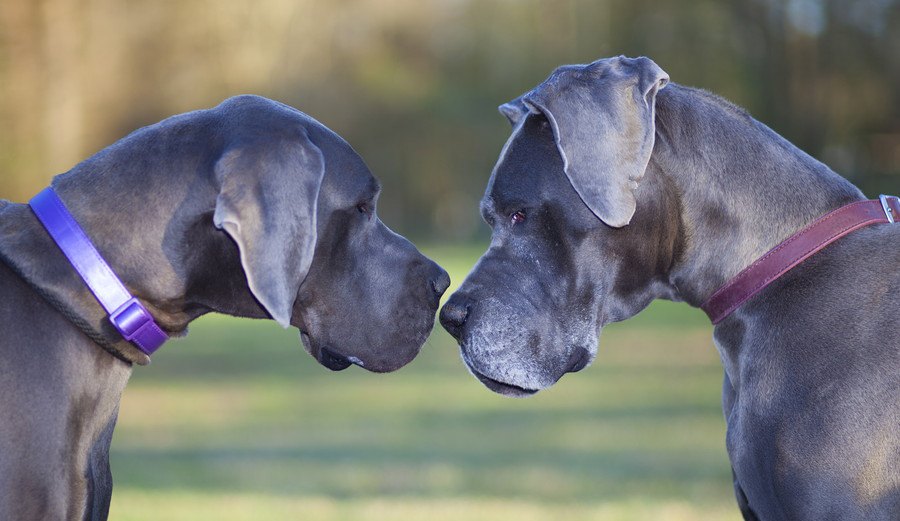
251, 209
616, 189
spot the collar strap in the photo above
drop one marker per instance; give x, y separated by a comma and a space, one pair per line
797, 248
126, 313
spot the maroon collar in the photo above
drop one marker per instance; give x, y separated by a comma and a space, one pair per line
797, 248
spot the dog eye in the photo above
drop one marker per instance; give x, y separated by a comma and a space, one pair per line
363, 208
517, 217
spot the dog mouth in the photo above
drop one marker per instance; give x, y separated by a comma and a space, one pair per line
503, 388
506, 389
332, 360
327, 357
578, 360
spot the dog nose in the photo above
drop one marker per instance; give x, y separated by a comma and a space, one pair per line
440, 281
454, 315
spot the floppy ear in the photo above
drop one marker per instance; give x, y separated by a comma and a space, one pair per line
267, 205
514, 111
602, 115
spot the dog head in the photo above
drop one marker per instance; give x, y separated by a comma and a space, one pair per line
300, 206
568, 252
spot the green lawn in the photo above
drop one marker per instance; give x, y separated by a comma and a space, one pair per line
237, 422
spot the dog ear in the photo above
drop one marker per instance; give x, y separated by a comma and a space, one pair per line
267, 205
514, 111
602, 115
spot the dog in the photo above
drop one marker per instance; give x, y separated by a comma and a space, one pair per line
616, 188
251, 209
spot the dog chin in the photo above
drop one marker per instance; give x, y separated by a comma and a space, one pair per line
336, 361
391, 366
396, 353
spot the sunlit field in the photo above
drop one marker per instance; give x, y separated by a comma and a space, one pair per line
237, 422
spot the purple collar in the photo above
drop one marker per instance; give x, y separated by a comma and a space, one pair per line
126, 313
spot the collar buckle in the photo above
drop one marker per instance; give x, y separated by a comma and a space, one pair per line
130, 318
888, 211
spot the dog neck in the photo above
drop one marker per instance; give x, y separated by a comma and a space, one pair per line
151, 220
30, 252
743, 188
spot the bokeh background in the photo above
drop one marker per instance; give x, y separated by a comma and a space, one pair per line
237, 422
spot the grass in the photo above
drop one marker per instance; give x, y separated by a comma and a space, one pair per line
237, 422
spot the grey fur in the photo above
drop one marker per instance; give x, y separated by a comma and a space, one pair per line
811, 394
251, 209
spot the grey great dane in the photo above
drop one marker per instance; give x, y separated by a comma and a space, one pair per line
251, 209
617, 188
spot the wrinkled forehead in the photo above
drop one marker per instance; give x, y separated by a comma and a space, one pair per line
529, 168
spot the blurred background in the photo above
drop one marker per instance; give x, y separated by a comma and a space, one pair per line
237, 422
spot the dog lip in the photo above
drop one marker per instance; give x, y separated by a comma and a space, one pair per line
504, 388
499, 387
326, 357
332, 360
578, 360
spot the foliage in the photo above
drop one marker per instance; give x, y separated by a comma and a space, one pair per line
414, 85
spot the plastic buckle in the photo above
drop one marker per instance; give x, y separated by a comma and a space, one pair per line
130, 318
